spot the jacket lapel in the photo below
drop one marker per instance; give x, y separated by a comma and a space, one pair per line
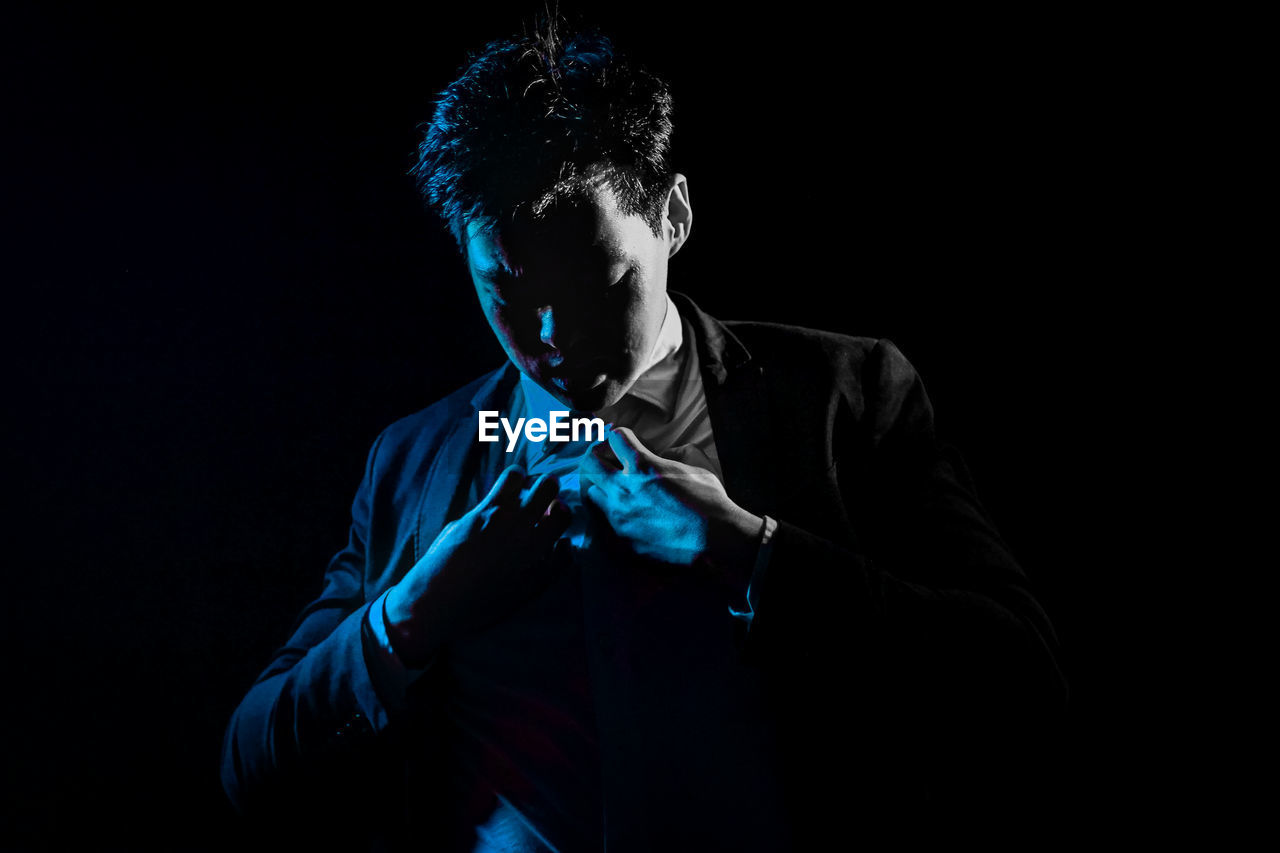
734, 385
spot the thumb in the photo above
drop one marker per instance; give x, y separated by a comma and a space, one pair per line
681, 453
690, 454
628, 448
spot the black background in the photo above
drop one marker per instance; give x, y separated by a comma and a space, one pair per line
221, 286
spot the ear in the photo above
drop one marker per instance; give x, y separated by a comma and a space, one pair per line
679, 215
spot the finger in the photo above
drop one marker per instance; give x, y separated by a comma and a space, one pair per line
543, 492
689, 454
630, 452
551, 525
604, 453
592, 470
506, 492
598, 496
543, 571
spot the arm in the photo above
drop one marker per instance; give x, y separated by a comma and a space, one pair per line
935, 593
933, 582
315, 720
916, 653
316, 700
928, 617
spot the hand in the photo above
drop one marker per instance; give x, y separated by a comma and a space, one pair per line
665, 509
479, 568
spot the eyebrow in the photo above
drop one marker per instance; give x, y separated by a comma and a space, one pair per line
494, 271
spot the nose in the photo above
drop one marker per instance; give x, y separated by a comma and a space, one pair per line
552, 328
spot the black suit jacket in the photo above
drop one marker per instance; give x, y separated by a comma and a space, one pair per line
897, 673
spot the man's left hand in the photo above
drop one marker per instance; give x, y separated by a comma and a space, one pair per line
667, 510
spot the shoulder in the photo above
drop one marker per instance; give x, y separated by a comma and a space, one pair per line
786, 349
868, 379
855, 359
775, 341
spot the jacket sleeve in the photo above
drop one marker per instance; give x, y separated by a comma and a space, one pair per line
314, 709
925, 612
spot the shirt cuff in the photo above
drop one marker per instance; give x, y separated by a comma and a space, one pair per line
763, 550
391, 678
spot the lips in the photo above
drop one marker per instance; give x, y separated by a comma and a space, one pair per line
577, 384
576, 375
576, 369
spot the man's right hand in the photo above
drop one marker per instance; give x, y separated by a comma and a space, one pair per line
479, 568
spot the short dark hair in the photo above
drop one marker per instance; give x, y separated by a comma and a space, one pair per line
533, 121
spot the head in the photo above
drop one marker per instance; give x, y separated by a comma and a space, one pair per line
548, 161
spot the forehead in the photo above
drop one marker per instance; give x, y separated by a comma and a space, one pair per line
588, 234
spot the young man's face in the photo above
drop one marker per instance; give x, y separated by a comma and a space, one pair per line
577, 298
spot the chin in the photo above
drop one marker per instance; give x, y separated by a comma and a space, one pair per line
586, 396
592, 400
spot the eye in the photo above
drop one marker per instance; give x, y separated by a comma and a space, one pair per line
496, 296
625, 279
507, 292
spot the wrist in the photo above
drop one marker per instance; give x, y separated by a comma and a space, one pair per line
732, 545
406, 628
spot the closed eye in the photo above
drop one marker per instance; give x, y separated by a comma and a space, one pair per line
626, 277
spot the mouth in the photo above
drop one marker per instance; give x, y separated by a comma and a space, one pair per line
577, 377
578, 384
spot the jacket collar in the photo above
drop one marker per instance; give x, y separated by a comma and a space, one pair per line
495, 389
719, 349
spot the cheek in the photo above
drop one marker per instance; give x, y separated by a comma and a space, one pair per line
644, 319
506, 328
626, 323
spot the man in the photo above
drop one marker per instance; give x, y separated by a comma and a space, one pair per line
765, 612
